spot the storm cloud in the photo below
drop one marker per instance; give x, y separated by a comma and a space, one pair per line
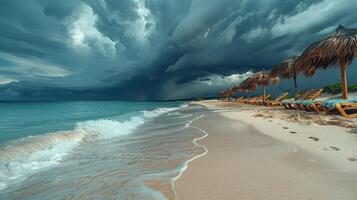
154, 49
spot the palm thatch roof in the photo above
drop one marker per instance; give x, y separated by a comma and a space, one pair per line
258, 79
246, 87
225, 93
236, 88
286, 69
228, 92
310, 71
262, 78
340, 44
249, 81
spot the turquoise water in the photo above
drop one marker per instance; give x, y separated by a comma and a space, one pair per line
94, 149
21, 119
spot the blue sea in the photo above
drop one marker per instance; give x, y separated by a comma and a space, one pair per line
95, 149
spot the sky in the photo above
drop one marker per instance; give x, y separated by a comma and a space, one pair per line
156, 49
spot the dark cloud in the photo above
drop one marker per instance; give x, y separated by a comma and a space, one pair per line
153, 49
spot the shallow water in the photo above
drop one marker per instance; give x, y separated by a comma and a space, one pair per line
123, 156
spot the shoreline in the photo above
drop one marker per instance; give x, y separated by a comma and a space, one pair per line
293, 163
187, 162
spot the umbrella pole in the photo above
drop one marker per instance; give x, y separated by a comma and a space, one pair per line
295, 86
343, 79
264, 94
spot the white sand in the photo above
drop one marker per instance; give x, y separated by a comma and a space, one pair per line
259, 159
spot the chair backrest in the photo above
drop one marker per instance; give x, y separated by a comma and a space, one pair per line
261, 98
282, 96
266, 97
248, 98
302, 94
255, 98
313, 94
239, 99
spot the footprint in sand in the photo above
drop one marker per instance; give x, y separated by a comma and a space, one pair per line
314, 138
292, 132
285, 127
335, 148
352, 159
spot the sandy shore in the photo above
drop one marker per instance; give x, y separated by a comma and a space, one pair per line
251, 157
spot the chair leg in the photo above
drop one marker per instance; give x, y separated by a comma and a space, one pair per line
301, 107
340, 109
293, 106
314, 107
307, 108
287, 106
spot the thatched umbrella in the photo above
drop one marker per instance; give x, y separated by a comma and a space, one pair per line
261, 78
224, 94
249, 84
338, 47
227, 93
286, 70
242, 87
264, 79
235, 89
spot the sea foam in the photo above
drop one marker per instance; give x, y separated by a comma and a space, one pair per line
25, 156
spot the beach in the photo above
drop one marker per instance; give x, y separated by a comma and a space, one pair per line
205, 150
251, 156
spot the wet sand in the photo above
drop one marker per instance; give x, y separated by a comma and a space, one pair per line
249, 159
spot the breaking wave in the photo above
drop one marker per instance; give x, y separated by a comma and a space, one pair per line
23, 157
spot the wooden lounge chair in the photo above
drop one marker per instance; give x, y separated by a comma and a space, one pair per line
277, 101
289, 103
262, 100
254, 101
345, 107
347, 110
249, 100
239, 99
308, 100
245, 99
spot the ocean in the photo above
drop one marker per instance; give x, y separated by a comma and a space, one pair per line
96, 149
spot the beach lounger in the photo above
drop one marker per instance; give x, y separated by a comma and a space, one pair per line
277, 101
249, 100
231, 99
254, 101
262, 100
308, 100
289, 103
305, 99
345, 107
239, 99
243, 99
